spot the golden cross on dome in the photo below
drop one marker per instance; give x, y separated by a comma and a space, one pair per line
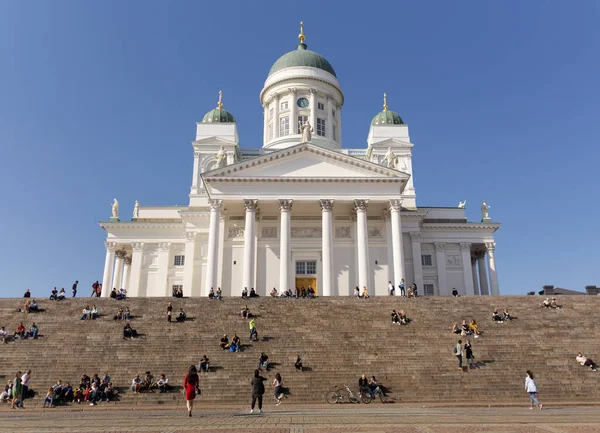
385, 106
220, 103
301, 36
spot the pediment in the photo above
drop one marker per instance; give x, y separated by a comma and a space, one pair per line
305, 161
214, 140
391, 142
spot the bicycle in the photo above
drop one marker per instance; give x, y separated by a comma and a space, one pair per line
378, 392
344, 393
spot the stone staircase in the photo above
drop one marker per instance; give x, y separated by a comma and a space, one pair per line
338, 339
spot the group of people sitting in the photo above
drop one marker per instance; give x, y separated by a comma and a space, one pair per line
129, 332
550, 303
123, 314
89, 313
23, 333
31, 306
215, 295
233, 345
181, 316
55, 295
148, 384
501, 318
252, 293
400, 318
370, 386
118, 295
300, 293
177, 292
465, 328
364, 294
92, 389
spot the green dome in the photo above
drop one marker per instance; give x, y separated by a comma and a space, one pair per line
387, 117
302, 57
218, 115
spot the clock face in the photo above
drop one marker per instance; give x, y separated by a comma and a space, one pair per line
302, 102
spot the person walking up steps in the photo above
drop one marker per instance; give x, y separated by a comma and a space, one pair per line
191, 385
277, 385
458, 351
531, 388
258, 390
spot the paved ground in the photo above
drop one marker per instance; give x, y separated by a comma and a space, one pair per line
305, 420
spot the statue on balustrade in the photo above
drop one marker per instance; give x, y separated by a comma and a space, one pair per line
115, 209
221, 158
307, 131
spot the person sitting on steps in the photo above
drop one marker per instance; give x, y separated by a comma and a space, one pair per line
245, 313
181, 316
253, 293
546, 303
32, 331
465, 330
54, 294
218, 294
298, 363
365, 293
224, 342
553, 304
245, 293
274, 293
27, 294
211, 294
586, 362
204, 364
506, 315
374, 387
474, 328
357, 292
403, 318
148, 383
163, 384
136, 384
395, 317
454, 292
456, 329
310, 294
496, 317
235, 343
61, 295
129, 332
363, 385
113, 293
263, 361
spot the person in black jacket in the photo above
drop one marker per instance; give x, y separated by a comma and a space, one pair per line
363, 384
258, 389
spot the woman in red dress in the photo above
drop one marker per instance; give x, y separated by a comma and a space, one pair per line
190, 383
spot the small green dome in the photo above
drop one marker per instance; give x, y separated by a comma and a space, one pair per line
387, 117
302, 57
218, 115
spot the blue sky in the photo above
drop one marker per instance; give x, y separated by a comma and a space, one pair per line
100, 99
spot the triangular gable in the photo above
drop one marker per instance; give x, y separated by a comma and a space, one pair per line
391, 142
305, 161
214, 140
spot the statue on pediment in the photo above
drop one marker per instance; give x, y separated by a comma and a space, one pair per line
462, 204
115, 209
390, 159
306, 129
136, 209
221, 157
485, 211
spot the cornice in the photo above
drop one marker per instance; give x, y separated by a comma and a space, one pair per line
461, 226
306, 179
140, 225
300, 77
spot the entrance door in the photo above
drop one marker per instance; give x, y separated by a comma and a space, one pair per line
307, 281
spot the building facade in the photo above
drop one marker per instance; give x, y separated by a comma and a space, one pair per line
300, 210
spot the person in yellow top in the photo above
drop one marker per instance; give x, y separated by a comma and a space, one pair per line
473, 326
253, 331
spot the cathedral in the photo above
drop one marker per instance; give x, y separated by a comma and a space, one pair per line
301, 209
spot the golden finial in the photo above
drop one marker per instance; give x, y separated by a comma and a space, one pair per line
301, 36
220, 103
385, 106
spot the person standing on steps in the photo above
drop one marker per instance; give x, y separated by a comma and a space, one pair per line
253, 331
531, 388
258, 390
469, 354
191, 385
24, 387
391, 288
16, 390
74, 288
169, 312
458, 351
401, 287
277, 385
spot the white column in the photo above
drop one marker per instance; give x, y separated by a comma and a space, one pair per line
285, 208
249, 268
327, 245
164, 254
266, 123
440, 258
339, 125
415, 238
118, 274
465, 249
126, 272
390, 248
109, 264
329, 117
275, 117
362, 244
213, 245
189, 288
293, 114
195, 175
398, 253
313, 110
490, 246
483, 284
474, 276
137, 258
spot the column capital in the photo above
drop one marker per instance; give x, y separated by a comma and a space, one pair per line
285, 206
489, 246
120, 254
465, 246
251, 205
415, 236
137, 246
440, 246
127, 261
361, 205
215, 204
190, 236
293, 91
396, 205
326, 205
164, 246
313, 91
110, 246
276, 96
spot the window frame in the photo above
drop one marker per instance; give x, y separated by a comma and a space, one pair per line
424, 260
284, 105
321, 129
284, 126
180, 258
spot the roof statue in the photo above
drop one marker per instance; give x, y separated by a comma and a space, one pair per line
462, 204
306, 130
390, 159
115, 209
485, 212
221, 157
136, 209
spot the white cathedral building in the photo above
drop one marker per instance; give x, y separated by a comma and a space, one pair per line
300, 210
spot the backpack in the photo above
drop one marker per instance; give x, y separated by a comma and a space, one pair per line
455, 350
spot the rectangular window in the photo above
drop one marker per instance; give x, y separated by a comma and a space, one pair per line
284, 105
428, 290
284, 126
334, 134
271, 113
426, 260
300, 268
301, 121
311, 267
306, 268
271, 131
321, 127
333, 112
320, 106
179, 260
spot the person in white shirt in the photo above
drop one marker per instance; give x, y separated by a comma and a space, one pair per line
163, 383
136, 384
586, 362
458, 351
531, 388
3, 335
391, 289
24, 386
